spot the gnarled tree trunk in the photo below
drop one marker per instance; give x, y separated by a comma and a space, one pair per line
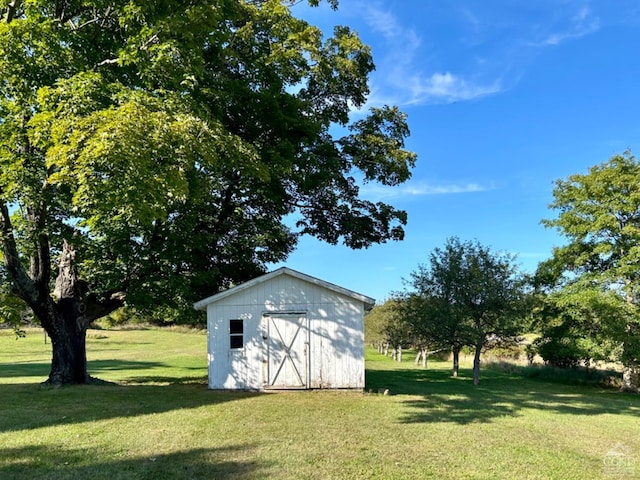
67, 324
68, 343
67, 313
67, 320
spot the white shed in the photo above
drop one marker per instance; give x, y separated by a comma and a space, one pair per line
286, 330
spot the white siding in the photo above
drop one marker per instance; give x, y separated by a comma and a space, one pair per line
336, 334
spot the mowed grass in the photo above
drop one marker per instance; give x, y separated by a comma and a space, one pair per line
160, 422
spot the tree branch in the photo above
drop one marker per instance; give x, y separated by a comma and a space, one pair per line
113, 61
25, 287
151, 41
11, 10
40, 270
95, 310
108, 61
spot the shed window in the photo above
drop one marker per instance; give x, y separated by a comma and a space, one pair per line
236, 330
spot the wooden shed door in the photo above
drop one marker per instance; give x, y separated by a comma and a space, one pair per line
287, 351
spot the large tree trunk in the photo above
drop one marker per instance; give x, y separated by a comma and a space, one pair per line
64, 315
476, 364
67, 319
456, 360
68, 327
68, 343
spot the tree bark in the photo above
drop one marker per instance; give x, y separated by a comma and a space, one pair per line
68, 343
456, 360
630, 381
68, 327
65, 316
476, 364
421, 354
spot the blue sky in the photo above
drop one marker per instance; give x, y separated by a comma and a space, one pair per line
503, 98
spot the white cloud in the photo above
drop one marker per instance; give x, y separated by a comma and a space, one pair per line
402, 76
433, 53
382, 21
377, 192
577, 22
583, 22
448, 87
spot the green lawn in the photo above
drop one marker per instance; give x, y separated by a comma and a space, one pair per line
161, 422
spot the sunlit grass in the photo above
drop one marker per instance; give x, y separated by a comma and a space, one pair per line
160, 421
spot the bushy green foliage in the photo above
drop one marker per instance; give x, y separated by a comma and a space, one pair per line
169, 144
13, 311
466, 295
591, 284
577, 375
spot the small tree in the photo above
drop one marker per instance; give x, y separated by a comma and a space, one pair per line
470, 296
414, 308
375, 322
396, 330
434, 320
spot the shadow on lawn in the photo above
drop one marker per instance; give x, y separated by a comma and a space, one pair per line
95, 367
37, 462
442, 398
32, 405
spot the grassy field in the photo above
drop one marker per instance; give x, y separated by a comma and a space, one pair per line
161, 422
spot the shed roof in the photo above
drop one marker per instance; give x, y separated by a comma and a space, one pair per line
202, 304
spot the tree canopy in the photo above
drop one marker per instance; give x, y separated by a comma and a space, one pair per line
467, 295
596, 273
154, 152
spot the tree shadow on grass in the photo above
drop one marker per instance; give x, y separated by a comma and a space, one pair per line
95, 367
31, 405
37, 462
441, 398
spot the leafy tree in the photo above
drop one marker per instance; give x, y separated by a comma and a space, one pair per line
396, 331
467, 295
431, 307
571, 331
597, 271
154, 152
385, 325
565, 341
375, 321
413, 307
